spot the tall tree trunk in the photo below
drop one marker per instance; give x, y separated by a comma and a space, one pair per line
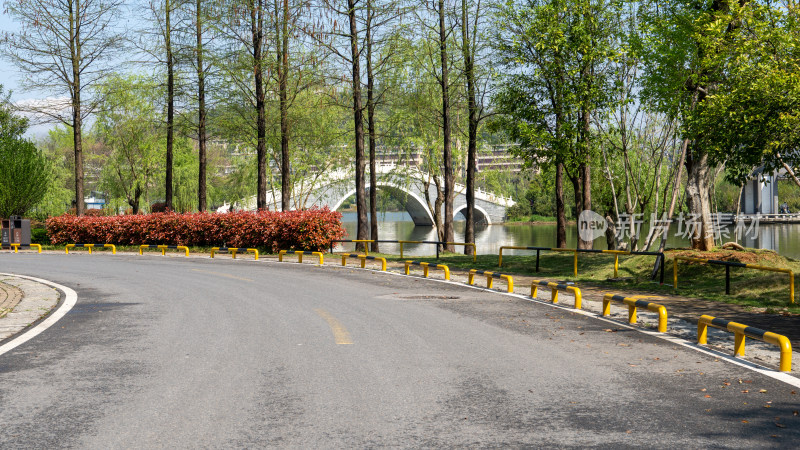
77, 120
201, 112
170, 103
561, 217
361, 201
257, 29
283, 73
698, 199
449, 179
373, 177
472, 145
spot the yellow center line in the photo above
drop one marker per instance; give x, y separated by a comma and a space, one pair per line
223, 275
340, 333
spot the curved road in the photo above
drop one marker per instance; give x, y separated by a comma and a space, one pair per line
199, 352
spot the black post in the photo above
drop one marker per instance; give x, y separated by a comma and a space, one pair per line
727, 280
663, 262
537, 260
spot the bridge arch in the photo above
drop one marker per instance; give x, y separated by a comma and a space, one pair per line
481, 216
415, 206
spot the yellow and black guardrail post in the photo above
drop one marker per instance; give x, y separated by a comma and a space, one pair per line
554, 288
16, 247
164, 248
632, 304
233, 251
740, 331
489, 277
364, 259
425, 267
728, 265
300, 254
91, 246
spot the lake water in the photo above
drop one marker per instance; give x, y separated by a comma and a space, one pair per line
783, 238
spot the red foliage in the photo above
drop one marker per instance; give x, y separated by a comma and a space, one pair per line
312, 229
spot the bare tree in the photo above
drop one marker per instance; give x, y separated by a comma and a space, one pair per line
65, 47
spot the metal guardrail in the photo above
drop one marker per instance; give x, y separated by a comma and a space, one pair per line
300, 254
16, 247
425, 266
164, 248
91, 246
554, 288
740, 331
489, 277
233, 251
728, 265
633, 303
616, 254
364, 259
402, 243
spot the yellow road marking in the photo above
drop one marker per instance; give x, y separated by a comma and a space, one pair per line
340, 333
223, 275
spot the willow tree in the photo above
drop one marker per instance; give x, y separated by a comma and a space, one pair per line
65, 48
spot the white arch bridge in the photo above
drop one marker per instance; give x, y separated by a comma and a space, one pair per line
407, 186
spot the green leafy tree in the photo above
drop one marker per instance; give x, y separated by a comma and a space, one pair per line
25, 173
728, 71
555, 55
129, 126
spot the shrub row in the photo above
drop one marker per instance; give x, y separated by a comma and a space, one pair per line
312, 229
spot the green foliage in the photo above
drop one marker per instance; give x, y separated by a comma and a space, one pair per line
24, 178
551, 52
25, 172
129, 127
729, 71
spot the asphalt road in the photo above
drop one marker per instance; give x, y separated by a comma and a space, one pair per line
187, 352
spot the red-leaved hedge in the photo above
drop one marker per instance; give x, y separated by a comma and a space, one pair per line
312, 229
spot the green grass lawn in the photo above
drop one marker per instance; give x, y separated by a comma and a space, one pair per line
749, 287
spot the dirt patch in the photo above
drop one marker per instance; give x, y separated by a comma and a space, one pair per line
760, 257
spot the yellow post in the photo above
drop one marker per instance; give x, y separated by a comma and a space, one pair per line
489, 281
300, 257
16, 247
632, 314
554, 295
702, 329
254, 251
616, 264
363, 262
112, 247
675, 273
791, 284
185, 248
425, 267
89, 246
738, 344
534, 290
578, 296
576, 263
500, 258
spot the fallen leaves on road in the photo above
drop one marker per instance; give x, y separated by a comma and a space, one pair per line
762, 391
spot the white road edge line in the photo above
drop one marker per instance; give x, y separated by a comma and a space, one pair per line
780, 376
71, 297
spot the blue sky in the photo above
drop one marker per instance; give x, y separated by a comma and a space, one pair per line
9, 76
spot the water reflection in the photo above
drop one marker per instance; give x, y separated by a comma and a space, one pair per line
782, 238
